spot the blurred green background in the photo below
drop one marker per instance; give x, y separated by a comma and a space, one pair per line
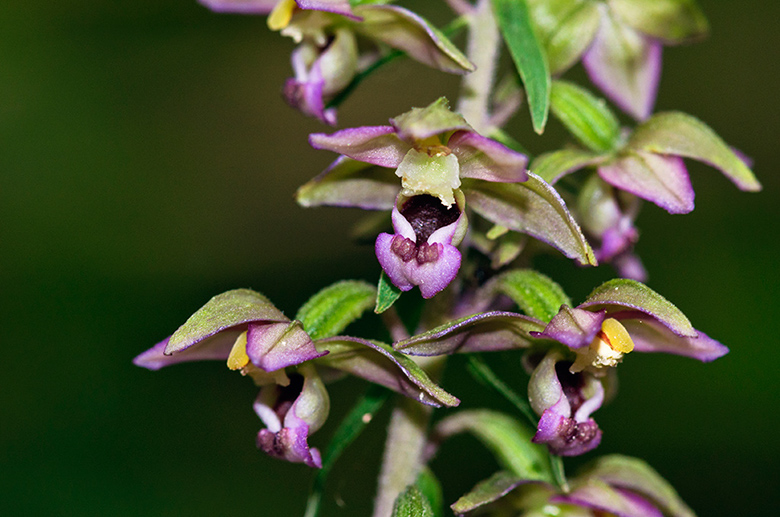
148, 163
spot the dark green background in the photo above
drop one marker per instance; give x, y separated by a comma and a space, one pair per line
148, 163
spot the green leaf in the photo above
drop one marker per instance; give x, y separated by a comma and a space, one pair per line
508, 440
412, 503
487, 491
631, 294
683, 135
222, 312
536, 294
586, 117
350, 428
431, 488
480, 370
386, 294
637, 476
529, 58
554, 165
674, 21
534, 208
329, 312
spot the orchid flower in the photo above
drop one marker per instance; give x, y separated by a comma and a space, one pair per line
327, 60
432, 150
244, 329
572, 380
611, 485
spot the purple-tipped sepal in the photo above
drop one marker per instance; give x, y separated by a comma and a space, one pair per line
564, 402
291, 413
422, 250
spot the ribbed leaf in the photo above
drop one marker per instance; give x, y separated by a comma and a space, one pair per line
329, 312
532, 207
680, 134
412, 503
536, 294
431, 488
586, 117
507, 439
527, 53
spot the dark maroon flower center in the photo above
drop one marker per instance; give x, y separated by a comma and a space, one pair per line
426, 214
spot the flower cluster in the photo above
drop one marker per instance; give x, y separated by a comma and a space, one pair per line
469, 211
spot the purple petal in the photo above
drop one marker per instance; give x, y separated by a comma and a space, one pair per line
649, 335
289, 425
330, 6
661, 179
629, 265
271, 347
241, 6
378, 145
306, 96
625, 65
566, 437
431, 276
211, 349
486, 159
603, 498
575, 328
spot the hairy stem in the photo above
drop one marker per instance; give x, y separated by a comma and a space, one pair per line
407, 436
482, 49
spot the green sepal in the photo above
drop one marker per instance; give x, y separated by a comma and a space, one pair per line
378, 363
410, 33
386, 294
222, 312
680, 134
554, 165
412, 503
486, 491
534, 208
434, 119
637, 476
508, 439
673, 21
586, 116
487, 331
348, 182
529, 57
537, 295
630, 294
350, 428
430, 487
329, 311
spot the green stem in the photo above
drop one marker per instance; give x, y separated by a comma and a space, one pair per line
482, 49
407, 436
